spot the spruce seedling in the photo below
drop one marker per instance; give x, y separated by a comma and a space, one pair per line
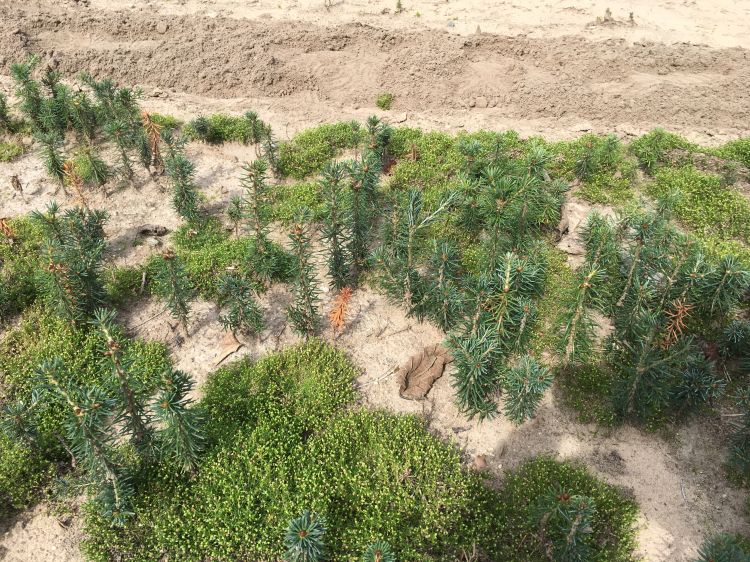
524, 386
173, 285
89, 427
150, 152
181, 172
50, 147
304, 539
243, 314
340, 310
73, 248
180, 435
270, 151
303, 313
335, 232
476, 356
362, 203
443, 300
564, 521
82, 117
5, 121
724, 548
135, 418
258, 129
398, 275
28, 90
257, 205
379, 551
257, 201
124, 140
235, 213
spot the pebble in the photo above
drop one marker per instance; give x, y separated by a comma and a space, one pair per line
161, 27
481, 102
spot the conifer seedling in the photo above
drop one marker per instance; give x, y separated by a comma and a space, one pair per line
135, 417
304, 539
379, 551
303, 313
150, 152
242, 312
180, 437
337, 316
73, 249
50, 147
524, 386
90, 411
564, 521
235, 213
335, 231
173, 285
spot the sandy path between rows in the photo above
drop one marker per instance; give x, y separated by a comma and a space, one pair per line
335, 68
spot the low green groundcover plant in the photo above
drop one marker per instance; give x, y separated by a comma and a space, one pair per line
284, 441
19, 260
384, 101
704, 204
23, 472
210, 251
10, 151
286, 438
309, 150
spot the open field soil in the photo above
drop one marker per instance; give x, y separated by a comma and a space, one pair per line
553, 69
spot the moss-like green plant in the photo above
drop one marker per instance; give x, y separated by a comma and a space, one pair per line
220, 128
10, 150
166, 121
705, 205
309, 150
280, 428
291, 197
23, 472
385, 101
210, 250
587, 389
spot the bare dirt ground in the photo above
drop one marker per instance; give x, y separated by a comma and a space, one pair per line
542, 67
564, 74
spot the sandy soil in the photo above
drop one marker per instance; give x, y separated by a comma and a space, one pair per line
550, 69
327, 65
